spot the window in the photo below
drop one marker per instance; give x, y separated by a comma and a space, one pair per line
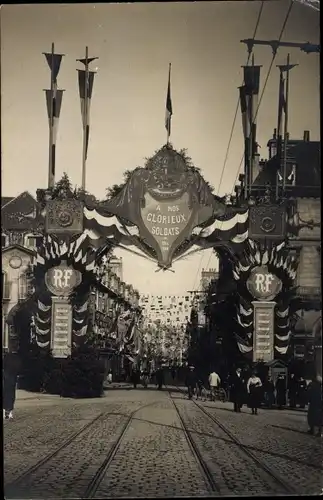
5, 286
31, 241
4, 240
5, 329
22, 282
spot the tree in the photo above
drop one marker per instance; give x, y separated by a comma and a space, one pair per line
64, 189
117, 188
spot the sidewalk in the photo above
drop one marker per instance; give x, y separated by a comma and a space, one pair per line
22, 395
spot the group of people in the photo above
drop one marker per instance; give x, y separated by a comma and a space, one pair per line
254, 392
144, 376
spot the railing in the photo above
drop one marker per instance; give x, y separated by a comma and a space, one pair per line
309, 292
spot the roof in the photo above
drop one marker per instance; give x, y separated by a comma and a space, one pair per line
21, 213
18, 247
5, 200
306, 155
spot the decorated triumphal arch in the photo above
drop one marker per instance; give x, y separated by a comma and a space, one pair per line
164, 212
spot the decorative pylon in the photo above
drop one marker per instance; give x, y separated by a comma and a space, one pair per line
85, 80
54, 99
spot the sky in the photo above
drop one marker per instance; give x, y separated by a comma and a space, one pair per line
135, 44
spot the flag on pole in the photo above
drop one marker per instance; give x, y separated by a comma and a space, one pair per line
54, 63
281, 104
251, 76
169, 108
85, 91
54, 103
244, 105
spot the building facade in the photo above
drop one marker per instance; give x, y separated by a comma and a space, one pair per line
20, 230
293, 224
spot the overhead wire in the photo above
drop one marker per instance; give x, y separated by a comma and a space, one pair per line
231, 133
266, 81
260, 100
262, 94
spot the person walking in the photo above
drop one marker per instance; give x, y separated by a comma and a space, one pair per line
254, 385
214, 382
315, 406
281, 391
292, 391
190, 381
145, 378
302, 392
11, 369
200, 391
269, 392
109, 377
135, 377
160, 378
237, 390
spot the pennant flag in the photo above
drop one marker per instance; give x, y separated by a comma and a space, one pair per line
251, 75
244, 105
281, 104
85, 87
85, 91
169, 107
54, 102
54, 63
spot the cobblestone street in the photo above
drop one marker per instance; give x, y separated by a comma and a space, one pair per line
141, 443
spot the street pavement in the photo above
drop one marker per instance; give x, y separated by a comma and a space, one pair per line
148, 443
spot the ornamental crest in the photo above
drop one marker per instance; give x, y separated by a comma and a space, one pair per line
64, 216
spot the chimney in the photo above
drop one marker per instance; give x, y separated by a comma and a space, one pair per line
306, 137
275, 134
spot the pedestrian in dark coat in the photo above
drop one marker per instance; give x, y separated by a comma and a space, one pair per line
254, 389
315, 407
160, 378
281, 391
269, 392
135, 377
237, 390
191, 381
11, 370
302, 396
292, 391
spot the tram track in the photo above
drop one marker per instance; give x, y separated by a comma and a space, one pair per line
196, 452
98, 477
287, 487
13, 485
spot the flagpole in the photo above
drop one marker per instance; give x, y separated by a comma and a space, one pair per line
279, 124
51, 177
286, 125
85, 117
168, 90
251, 135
